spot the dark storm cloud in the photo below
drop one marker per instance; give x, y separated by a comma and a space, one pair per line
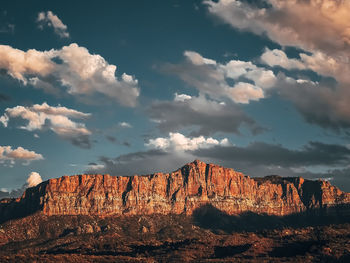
260, 153
111, 138
82, 141
260, 159
321, 104
139, 163
340, 178
207, 115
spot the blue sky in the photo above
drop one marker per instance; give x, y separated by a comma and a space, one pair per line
126, 87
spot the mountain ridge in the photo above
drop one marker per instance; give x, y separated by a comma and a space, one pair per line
179, 192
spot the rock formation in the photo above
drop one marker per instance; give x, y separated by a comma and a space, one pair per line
180, 192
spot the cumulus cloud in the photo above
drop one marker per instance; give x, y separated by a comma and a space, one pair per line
7, 154
250, 82
57, 119
34, 179
321, 104
291, 23
278, 57
49, 19
179, 142
73, 67
205, 115
318, 62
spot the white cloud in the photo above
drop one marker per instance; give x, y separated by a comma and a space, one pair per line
197, 59
19, 63
277, 57
179, 142
34, 179
57, 119
245, 92
125, 124
21, 154
95, 167
82, 73
318, 62
215, 79
51, 20
182, 97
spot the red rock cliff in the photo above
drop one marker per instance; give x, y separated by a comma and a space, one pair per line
182, 191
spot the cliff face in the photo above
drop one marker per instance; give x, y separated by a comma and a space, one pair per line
182, 191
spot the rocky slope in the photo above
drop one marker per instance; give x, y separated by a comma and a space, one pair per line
181, 192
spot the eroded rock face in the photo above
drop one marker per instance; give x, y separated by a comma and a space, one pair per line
180, 192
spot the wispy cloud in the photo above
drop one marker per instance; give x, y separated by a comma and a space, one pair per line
49, 19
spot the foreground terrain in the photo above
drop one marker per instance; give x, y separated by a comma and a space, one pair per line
206, 237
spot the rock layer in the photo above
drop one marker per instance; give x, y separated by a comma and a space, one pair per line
181, 192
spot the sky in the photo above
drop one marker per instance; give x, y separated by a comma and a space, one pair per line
136, 87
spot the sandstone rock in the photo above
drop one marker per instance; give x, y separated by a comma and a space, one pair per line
180, 192
144, 229
88, 229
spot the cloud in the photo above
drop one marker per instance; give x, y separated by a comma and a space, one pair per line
49, 19
72, 69
291, 23
179, 142
257, 159
277, 57
138, 163
18, 154
57, 119
318, 62
181, 97
339, 177
206, 115
166, 154
215, 79
297, 23
125, 124
260, 153
7, 28
34, 179
320, 103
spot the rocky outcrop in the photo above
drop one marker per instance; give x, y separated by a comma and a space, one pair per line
180, 192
